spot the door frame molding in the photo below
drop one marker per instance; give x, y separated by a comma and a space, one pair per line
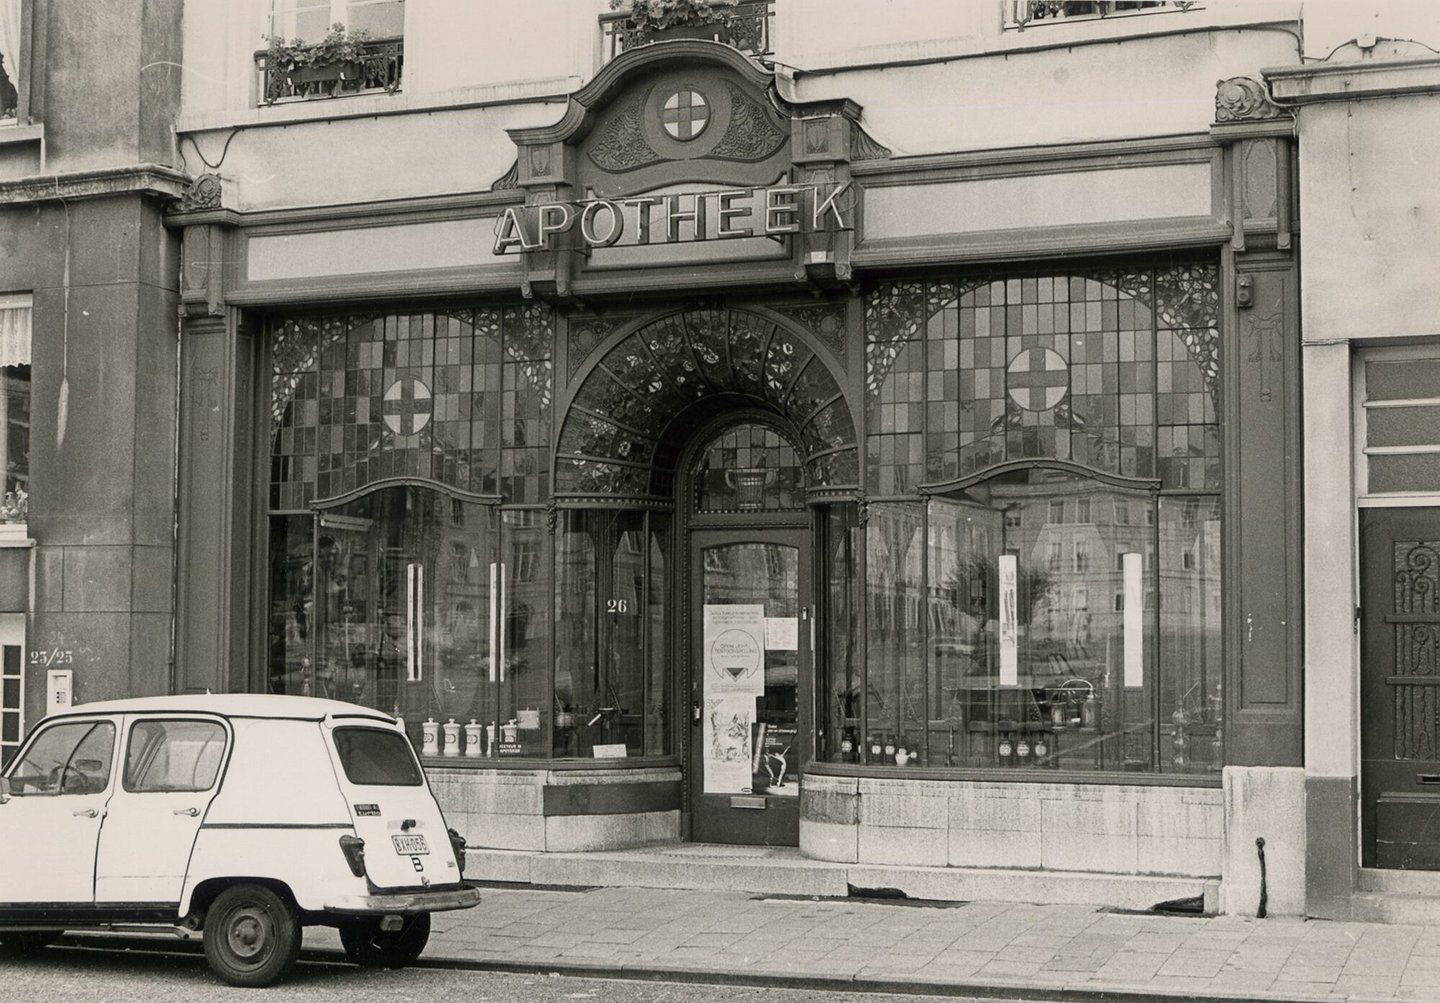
688, 520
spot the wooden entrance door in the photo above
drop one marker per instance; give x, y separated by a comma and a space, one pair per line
1400, 687
749, 670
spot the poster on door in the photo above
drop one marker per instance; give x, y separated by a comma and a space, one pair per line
734, 638
728, 742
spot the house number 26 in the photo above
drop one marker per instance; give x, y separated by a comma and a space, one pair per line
617, 605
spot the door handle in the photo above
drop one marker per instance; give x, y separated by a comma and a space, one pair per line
86, 812
192, 812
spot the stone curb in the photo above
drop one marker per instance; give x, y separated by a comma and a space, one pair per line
1000, 989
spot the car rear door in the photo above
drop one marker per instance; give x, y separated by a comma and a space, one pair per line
170, 773
407, 844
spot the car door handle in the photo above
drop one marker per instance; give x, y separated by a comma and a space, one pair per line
192, 812
86, 812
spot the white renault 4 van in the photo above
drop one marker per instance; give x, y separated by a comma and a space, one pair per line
244, 817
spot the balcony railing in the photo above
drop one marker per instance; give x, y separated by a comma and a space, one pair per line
1021, 14
746, 26
379, 69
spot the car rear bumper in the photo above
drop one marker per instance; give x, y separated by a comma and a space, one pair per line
427, 900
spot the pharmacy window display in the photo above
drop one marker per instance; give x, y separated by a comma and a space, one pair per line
1041, 551
409, 550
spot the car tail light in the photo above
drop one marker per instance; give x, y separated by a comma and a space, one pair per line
457, 843
354, 849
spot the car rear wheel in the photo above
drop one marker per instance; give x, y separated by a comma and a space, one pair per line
252, 937
21, 943
371, 947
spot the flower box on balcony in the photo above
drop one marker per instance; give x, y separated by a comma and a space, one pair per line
342, 62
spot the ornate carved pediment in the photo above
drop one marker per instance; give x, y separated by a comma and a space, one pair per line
695, 124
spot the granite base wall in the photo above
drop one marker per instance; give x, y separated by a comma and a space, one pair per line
1115, 829
507, 809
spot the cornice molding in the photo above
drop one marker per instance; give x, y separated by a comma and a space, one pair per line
1314, 83
352, 214
153, 180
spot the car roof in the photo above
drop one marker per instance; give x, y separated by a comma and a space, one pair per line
263, 705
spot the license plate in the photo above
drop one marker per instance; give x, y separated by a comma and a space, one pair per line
410, 845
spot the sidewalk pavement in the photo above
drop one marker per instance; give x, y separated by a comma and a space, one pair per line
980, 948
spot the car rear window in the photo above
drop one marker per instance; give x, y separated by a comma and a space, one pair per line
372, 757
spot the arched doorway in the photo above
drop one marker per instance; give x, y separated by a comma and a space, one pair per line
734, 423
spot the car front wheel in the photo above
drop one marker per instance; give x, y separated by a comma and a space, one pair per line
371, 947
252, 937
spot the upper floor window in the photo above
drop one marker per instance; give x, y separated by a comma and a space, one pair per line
1021, 14
325, 48
747, 24
10, 35
15, 407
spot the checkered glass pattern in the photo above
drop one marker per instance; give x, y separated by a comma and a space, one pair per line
461, 398
1114, 369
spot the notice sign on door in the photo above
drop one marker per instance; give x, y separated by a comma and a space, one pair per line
735, 649
734, 643
729, 748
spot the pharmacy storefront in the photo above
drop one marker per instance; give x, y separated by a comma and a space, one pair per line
755, 485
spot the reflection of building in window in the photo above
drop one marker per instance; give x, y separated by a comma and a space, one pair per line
1057, 511
9, 59
15, 316
1082, 556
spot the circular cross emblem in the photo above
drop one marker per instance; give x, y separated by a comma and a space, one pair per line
685, 114
1037, 379
407, 406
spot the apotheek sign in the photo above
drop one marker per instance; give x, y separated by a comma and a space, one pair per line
679, 218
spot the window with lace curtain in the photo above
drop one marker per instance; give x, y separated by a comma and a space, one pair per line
9, 62
15, 407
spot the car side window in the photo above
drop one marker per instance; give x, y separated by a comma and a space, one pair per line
72, 758
175, 755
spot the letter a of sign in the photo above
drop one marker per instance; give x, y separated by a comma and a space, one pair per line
510, 232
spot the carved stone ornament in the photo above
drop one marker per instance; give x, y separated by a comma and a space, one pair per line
751, 135
621, 145
203, 193
1244, 99
508, 181
864, 147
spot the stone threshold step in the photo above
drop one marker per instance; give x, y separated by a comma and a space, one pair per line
787, 873
1395, 908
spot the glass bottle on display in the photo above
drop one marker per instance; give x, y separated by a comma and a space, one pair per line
430, 737
451, 731
847, 747
473, 749
889, 749
1006, 750
1022, 751
1090, 711
875, 748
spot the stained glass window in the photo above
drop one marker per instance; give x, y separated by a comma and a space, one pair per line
461, 398
1113, 369
620, 439
1030, 614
